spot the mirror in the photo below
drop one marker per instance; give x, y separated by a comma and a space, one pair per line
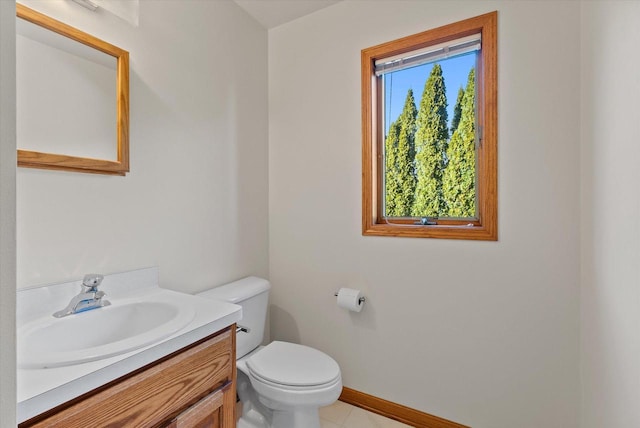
72, 98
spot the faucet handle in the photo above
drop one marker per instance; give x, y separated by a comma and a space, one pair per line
91, 281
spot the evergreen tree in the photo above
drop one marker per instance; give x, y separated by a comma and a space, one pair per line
399, 157
457, 111
405, 157
391, 168
459, 177
431, 145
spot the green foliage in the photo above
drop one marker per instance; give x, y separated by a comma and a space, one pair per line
431, 145
400, 153
457, 111
459, 178
391, 168
426, 173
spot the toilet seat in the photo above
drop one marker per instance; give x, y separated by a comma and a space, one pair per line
292, 366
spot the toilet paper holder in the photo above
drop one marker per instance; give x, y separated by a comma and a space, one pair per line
360, 300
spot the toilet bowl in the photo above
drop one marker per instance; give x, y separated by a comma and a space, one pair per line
282, 384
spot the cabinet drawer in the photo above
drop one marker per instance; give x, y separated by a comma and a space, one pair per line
154, 395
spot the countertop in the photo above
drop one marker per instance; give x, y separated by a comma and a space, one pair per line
42, 389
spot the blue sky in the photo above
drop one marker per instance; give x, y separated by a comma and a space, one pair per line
455, 71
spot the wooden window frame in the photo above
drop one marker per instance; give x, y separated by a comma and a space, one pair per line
485, 227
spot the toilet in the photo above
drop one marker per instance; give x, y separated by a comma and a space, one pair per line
280, 385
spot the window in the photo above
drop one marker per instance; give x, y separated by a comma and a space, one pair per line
429, 127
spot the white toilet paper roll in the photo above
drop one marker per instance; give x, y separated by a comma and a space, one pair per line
349, 299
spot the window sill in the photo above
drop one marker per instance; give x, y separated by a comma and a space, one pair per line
477, 233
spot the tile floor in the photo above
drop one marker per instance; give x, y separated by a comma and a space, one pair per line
343, 415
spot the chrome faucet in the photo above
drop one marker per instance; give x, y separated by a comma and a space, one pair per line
89, 297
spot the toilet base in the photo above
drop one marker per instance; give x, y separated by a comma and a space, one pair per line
256, 414
304, 417
307, 418
245, 422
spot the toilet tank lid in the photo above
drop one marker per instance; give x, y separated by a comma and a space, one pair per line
238, 291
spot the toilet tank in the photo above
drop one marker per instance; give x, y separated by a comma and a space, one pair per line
252, 293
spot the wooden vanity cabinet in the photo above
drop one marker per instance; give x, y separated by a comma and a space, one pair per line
192, 388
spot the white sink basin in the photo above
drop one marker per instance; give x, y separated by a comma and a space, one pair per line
99, 333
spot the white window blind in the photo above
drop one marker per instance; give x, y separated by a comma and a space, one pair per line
429, 54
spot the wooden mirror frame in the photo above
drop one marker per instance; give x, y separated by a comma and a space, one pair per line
32, 159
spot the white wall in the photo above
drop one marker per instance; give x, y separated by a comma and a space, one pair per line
482, 333
610, 329
195, 201
7, 215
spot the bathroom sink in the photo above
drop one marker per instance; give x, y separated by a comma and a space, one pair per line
100, 333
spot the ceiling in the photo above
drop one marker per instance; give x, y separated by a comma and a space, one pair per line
271, 13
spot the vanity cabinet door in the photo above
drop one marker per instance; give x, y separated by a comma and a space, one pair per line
204, 414
207, 413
